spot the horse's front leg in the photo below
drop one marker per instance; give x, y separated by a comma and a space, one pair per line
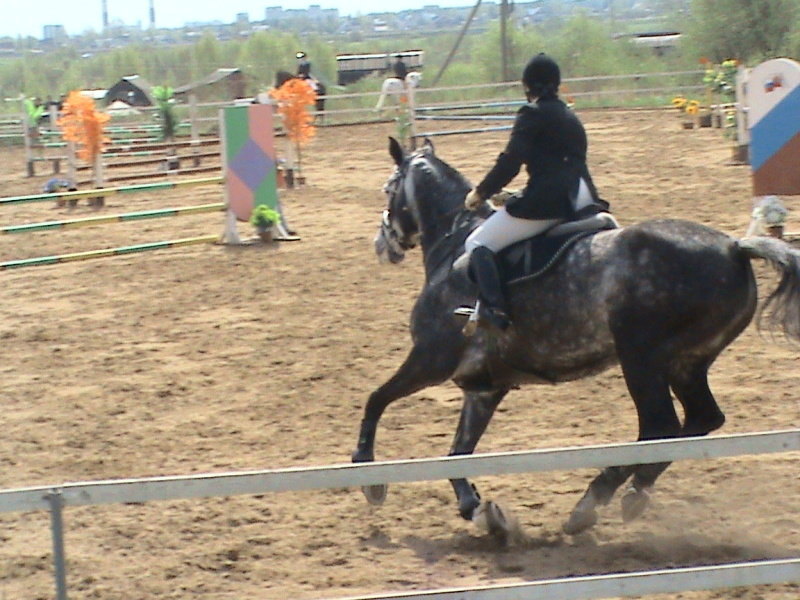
422, 368
476, 413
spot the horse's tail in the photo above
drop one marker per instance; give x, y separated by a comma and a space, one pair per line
781, 310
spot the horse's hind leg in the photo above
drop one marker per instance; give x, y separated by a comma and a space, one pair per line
702, 415
649, 387
476, 412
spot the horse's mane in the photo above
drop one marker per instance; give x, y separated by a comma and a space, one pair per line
446, 187
443, 188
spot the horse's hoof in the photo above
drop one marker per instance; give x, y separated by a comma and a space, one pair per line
491, 518
375, 494
633, 503
579, 521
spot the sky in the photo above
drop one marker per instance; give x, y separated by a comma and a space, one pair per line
25, 18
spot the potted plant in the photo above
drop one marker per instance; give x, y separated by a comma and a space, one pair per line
770, 215
688, 109
264, 220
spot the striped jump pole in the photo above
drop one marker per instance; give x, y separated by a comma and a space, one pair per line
481, 105
121, 218
465, 117
101, 192
463, 131
77, 256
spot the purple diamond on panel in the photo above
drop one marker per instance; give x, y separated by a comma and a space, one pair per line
251, 164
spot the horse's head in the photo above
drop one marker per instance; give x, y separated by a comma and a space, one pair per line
423, 193
413, 78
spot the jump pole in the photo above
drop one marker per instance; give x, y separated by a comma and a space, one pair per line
121, 218
77, 256
126, 189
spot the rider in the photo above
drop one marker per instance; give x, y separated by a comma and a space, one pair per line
549, 139
303, 65
400, 69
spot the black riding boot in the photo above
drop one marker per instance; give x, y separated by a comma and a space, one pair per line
492, 309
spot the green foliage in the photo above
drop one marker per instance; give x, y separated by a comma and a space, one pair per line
721, 79
34, 111
166, 110
750, 31
264, 217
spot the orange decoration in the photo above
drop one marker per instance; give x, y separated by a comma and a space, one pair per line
294, 97
84, 125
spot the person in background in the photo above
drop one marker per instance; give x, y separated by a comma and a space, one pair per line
400, 68
303, 65
550, 140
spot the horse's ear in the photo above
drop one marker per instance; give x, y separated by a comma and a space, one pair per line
396, 151
427, 145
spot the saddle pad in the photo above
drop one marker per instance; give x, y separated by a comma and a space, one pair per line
532, 258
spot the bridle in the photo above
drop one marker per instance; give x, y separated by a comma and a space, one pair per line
400, 231
395, 236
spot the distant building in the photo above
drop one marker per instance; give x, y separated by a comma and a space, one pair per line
133, 90
54, 33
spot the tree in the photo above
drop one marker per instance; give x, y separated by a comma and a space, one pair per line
748, 30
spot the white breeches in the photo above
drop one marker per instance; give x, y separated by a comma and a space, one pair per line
501, 230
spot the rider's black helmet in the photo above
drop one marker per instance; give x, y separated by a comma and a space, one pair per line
541, 76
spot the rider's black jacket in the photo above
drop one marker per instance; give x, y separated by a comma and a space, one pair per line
549, 139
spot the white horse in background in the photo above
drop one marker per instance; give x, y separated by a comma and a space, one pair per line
392, 86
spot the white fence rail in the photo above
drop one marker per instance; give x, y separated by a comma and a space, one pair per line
54, 498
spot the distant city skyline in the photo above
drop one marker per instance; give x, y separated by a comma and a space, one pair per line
25, 19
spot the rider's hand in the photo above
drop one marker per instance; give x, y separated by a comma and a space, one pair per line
501, 197
473, 200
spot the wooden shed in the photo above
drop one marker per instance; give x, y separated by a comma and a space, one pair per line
133, 90
222, 84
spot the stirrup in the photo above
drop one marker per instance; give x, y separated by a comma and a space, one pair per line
487, 318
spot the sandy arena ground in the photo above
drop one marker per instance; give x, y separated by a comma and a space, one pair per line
210, 359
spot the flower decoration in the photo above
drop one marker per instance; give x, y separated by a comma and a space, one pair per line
294, 97
721, 78
770, 211
84, 125
679, 102
684, 105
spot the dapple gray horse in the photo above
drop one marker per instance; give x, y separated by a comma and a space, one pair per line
662, 299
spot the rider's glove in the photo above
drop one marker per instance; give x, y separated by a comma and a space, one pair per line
473, 201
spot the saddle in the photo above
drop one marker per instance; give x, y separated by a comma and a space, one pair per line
532, 258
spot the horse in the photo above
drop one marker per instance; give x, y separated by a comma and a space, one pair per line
392, 86
319, 88
661, 298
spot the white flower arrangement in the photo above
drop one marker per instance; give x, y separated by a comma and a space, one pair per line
770, 210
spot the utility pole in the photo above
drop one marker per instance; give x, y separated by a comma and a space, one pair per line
105, 15
504, 10
457, 44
